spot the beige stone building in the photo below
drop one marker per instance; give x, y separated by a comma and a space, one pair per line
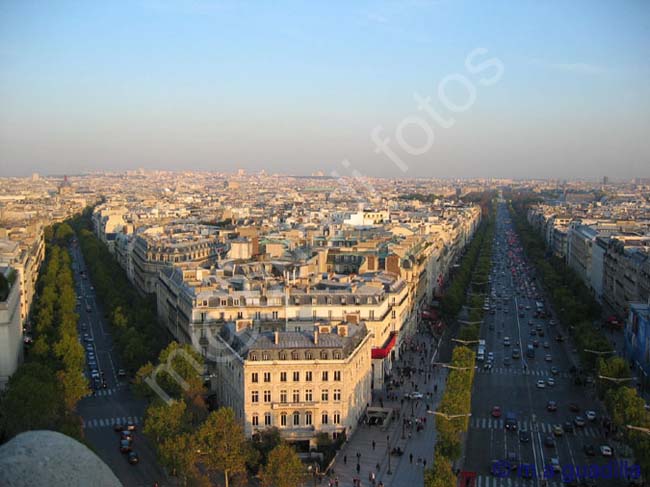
306, 382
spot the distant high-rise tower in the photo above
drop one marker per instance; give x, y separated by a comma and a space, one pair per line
605, 180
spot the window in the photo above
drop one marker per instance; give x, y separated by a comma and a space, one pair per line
337, 375
336, 355
283, 419
308, 396
254, 377
267, 396
296, 396
308, 356
324, 418
267, 419
283, 355
336, 418
267, 376
372, 314
308, 419
253, 357
393, 314
296, 418
255, 396
274, 314
240, 315
337, 394
308, 376
283, 376
329, 314
323, 355
265, 356
256, 420
325, 376
283, 396
313, 314
324, 395
296, 376
294, 354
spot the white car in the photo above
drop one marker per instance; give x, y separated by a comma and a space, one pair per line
541, 384
490, 357
506, 341
416, 395
606, 450
591, 415
550, 382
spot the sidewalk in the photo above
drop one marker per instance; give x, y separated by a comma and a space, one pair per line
399, 434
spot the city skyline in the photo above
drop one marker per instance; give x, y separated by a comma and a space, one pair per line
414, 89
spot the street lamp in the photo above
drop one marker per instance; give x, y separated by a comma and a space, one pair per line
389, 472
449, 366
596, 352
464, 342
616, 379
638, 428
449, 416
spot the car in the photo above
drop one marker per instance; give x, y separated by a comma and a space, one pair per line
573, 407
496, 412
104, 385
591, 415
118, 427
548, 357
536, 343
546, 345
533, 333
559, 338
511, 421
552, 322
133, 458
555, 464
541, 384
524, 436
94, 374
606, 450
568, 427
125, 434
549, 442
540, 333
125, 446
550, 382
590, 450
506, 341
130, 425
416, 395
557, 430
88, 339
121, 373
92, 364
490, 356
516, 354
555, 371
487, 366
551, 406
507, 361
579, 421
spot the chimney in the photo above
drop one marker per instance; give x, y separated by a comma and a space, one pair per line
276, 337
315, 337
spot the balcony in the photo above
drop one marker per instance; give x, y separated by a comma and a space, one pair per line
293, 405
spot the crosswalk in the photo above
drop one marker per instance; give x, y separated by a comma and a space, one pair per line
494, 423
103, 392
517, 371
110, 422
511, 481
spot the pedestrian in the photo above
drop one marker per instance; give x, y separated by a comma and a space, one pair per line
358, 457
378, 467
358, 468
373, 445
425, 463
345, 459
410, 457
336, 482
435, 388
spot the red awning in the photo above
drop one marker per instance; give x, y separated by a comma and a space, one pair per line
383, 352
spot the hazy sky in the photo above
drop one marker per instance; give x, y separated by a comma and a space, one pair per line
512, 88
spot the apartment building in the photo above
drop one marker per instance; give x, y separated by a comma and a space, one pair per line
316, 380
11, 333
626, 274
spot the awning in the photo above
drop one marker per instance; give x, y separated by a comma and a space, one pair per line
380, 353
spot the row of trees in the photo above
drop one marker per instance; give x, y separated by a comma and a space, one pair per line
577, 307
201, 447
456, 404
572, 300
132, 317
45, 390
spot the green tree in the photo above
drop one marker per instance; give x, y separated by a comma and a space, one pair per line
440, 474
283, 469
63, 233
74, 385
163, 421
221, 440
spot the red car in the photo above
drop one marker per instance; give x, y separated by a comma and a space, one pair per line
496, 412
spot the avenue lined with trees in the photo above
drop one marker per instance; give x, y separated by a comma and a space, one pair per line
45, 390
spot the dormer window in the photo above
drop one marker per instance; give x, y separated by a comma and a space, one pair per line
323, 355
252, 357
283, 355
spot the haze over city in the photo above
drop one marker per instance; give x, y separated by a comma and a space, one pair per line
555, 90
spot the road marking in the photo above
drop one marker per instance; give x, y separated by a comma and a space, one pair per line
109, 422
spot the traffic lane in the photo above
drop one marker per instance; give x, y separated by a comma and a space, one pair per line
106, 442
